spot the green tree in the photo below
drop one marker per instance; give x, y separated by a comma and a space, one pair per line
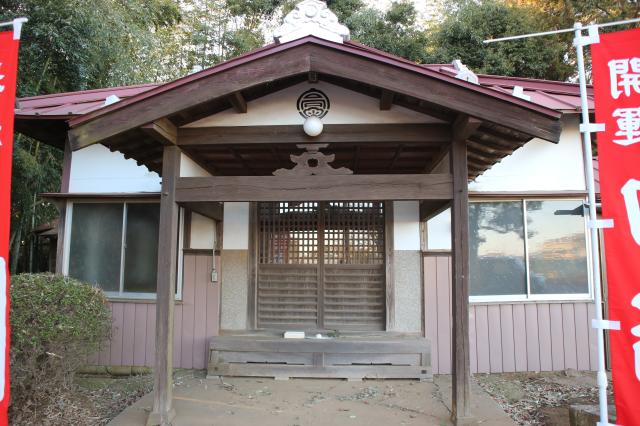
72, 45
461, 35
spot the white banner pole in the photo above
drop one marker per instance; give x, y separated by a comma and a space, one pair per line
585, 129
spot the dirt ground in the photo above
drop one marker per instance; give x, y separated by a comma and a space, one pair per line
541, 398
528, 398
303, 402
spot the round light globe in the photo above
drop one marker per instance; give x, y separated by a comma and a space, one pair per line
312, 126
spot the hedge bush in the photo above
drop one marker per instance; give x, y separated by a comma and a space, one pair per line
56, 323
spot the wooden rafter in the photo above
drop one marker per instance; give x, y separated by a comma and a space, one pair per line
386, 100
238, 102
162, 130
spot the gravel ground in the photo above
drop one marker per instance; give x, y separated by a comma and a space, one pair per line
540, 398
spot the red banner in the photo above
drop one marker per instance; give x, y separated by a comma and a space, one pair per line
616, 77
8, 70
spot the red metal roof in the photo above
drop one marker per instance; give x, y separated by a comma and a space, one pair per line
82, 106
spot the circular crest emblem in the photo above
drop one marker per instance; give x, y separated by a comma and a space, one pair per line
313, 103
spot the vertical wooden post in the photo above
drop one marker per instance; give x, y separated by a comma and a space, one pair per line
163, 412
62, 209
460, 404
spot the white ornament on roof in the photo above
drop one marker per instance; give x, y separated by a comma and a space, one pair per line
111, 99
465, 73
518, 92
311, 17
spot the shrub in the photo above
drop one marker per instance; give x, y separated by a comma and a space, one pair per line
56, 323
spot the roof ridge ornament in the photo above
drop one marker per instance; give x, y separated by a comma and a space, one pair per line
311, 17
464, 73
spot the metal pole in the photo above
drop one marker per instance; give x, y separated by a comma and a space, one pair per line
593, 230
565, 30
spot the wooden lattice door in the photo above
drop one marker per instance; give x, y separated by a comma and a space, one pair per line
321, 265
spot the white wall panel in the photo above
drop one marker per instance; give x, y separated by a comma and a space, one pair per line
96, 169
539, 165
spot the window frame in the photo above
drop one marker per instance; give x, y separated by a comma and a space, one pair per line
120, 294
529, 297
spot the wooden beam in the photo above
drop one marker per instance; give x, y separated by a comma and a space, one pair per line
542, 123
461, 129
210, 209
314, 188
460, 407
163, 412
431, 208
433, 134
238, 102
162, 130
386, 100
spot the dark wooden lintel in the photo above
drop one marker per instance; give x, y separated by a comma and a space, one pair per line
162, 130
238, 102
332, 133
315, 188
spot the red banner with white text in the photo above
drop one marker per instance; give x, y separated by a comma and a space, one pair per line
8, 70
616, 79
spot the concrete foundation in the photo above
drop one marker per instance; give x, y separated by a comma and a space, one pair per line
234, 290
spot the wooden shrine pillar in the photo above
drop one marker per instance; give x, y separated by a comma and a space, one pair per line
461, 374
163, 412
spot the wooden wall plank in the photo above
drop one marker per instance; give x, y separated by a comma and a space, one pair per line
140, 334
482, 339
188, 310
544, 333
582, 335
473, 351
431, 309
202, 281
593, 338
520, 337
557, 336
569, 336
150, 347
507, 339
105, 348
177, 336
115, 357
495, 338
128, 329
532, 337
443, 297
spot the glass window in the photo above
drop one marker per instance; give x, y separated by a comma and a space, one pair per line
99, 254
496, 246
557, 247
96, 244
141, 248
550, 260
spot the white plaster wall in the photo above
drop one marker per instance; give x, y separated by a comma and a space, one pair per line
203, 232
96, 169
346, 107
189, 168
235, 234
406, 225
439, 231
539, 165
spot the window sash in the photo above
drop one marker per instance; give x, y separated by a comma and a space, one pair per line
120, 294
529, 297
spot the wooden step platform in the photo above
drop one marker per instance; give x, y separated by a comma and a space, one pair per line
349, 358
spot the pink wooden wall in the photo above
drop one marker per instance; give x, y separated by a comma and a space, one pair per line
196, 319
508, 337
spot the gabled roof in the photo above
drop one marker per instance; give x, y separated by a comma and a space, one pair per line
507, 121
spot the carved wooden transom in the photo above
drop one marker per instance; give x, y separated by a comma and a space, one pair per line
313, 162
